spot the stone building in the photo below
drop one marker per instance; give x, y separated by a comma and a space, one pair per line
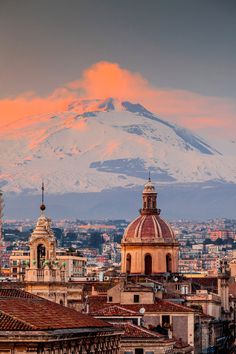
139, 340
138, 304
31, 324
149, 246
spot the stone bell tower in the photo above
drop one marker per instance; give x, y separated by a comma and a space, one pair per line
42, 264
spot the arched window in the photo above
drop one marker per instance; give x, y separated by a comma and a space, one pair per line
148, 264
41, 252
128, 263
168, 263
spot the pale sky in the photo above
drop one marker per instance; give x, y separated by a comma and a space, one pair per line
187, 45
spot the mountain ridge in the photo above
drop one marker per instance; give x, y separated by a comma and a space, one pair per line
101, 144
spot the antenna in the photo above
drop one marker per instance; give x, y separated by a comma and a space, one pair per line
149, 176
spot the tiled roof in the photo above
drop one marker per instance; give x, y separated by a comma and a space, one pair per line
160, 306
133, 331
99, 303
22, 311
115, 310
12, 324
149, 227
15, 293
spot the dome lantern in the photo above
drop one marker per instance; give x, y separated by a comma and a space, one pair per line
149, 199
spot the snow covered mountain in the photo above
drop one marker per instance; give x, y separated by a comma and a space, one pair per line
97, 145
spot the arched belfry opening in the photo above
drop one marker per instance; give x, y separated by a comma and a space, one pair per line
148, 264
168, 263
128, 264
41, 254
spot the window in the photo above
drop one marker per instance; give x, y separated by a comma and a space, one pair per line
14, 263
148, 264
139, 351
128, 352
168, 263
14, 270
149, 352
128, 264
110, 299
166, 321
136, 298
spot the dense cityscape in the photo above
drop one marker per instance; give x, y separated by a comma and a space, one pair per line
186, 280
203, 244
117, 177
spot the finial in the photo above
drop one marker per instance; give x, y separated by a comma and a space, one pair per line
42, 206
149, 176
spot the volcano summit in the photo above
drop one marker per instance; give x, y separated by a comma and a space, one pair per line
102, 145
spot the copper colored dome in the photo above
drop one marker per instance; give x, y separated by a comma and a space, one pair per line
149, 228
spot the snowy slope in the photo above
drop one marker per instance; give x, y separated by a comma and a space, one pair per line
102, 144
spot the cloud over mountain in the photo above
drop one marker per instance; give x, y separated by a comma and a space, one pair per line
104, 79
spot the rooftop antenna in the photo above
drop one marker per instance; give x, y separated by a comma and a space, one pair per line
149, 176
42, 206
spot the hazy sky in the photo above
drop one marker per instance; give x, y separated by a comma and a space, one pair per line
187, 45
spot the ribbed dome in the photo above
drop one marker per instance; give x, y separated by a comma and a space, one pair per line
148, 228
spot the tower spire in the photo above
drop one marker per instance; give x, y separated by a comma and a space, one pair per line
42, 206
149, 176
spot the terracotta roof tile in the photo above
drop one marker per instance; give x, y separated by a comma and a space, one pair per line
160, 306
11, 324
99, 303
24, 310
133, 331
115, 310
15, 293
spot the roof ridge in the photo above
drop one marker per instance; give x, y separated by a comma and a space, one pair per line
143, 329
15, 318
178, 305
123, 308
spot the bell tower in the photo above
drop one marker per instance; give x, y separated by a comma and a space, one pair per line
42, 248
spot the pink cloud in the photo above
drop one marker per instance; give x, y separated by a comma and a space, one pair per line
104, 79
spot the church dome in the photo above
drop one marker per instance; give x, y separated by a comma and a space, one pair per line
148, 246
149, 226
